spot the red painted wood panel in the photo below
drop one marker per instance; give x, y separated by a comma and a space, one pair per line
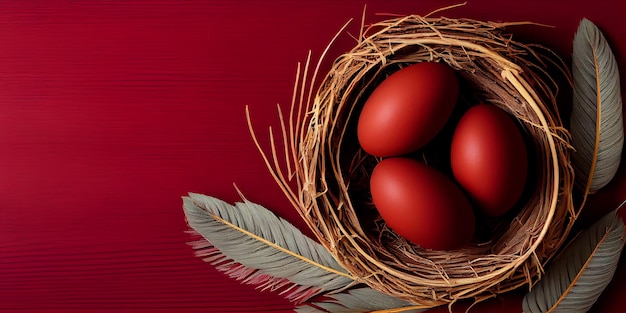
111, 111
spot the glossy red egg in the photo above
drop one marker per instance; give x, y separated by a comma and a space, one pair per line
407, 109
489, 158
421, 204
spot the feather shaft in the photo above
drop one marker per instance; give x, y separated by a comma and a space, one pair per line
360, 299
277, 247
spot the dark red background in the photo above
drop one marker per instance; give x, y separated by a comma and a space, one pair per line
111, 111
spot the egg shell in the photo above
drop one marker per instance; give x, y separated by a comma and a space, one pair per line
489, 159
407, 109
421, 204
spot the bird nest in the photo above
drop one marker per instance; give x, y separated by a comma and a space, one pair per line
327, 173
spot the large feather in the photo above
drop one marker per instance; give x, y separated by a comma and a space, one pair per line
363, 299
596, 121
250, 243
581, 272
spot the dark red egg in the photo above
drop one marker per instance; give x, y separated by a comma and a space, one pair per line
421, 204
407, 109
489, 159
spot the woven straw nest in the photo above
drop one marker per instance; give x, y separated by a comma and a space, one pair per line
330, 189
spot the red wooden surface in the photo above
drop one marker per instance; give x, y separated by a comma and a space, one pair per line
111, 111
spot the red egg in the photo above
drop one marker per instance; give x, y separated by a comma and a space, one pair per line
421, 204
489, 159
407, 109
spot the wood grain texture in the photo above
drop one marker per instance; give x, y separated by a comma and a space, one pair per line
111, 111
